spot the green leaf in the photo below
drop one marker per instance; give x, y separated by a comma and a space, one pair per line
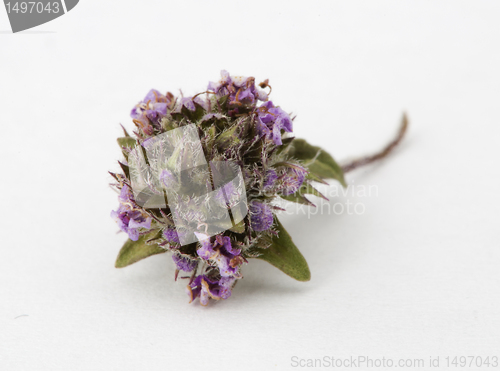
316, 178
285, 144
227, 137
125, 132
285, 256
221, 103
195, 115
133, 251
298, 198
238, 228
321, 164
168, 124
305, 189
126, 142
125, 169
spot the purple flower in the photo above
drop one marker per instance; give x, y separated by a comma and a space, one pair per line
247, 90
203, 287
261, 216
156, 113
221, 88
153, 100
188, 103
271, 120
220, 250
206, 251
169, 179
241, 90
293, 179
130, 220
228, 193
171, 235
183, 263
225, 243
143, 123
233, 122
152, 108
225, 286
125, 194
209, 116
152, 96
206, 288
270, 179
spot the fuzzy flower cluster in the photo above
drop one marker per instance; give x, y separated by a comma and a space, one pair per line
236, 121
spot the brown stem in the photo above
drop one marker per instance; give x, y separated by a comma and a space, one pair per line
380, 155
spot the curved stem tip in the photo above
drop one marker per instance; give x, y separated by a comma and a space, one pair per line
379, 155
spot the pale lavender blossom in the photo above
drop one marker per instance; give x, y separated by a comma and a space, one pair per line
261, 216
293, 179
271, 120
130, 220
184, 263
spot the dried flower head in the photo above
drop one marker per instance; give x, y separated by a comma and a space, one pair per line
200, 179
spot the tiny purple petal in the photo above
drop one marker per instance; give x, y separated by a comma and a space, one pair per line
261, 95
140, 223
201, 102
275, 119
171, 235
206, 251
224, 265
125, 194
246, 95
128, 219
212, 86
293, 179
239, 81
151, 96
271, 177
209, 116
261, 216
262, 128
161, 108
204, 288
133, 234
169, 179
229, 248
226, 284
136, 112
183, 263
188, 103
277, 135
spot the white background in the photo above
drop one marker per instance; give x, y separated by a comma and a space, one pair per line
417, 275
